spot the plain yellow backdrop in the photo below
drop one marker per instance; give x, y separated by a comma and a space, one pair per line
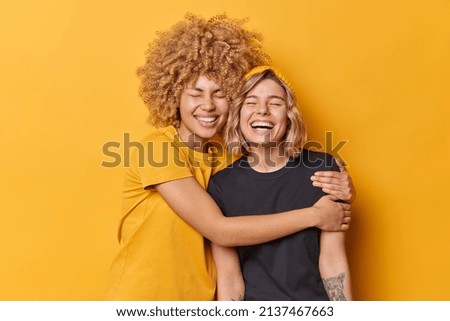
374, 73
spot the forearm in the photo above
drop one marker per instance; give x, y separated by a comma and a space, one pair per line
230, 283
338, 286
334, 267
230, 290
256, 229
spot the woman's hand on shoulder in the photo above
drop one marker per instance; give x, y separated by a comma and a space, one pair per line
338, 184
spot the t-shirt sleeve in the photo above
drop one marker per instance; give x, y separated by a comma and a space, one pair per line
331, 163
163, 161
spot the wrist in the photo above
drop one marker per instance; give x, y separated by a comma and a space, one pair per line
312, 217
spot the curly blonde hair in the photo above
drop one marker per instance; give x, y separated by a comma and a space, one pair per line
218, 48
295, 136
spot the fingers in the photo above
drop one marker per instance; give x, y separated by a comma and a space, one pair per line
345, 226
333, 187
346, 221
323, 181
331, 197
326, 174
329, 177
338, 184
345, 196
346, 207
331, 180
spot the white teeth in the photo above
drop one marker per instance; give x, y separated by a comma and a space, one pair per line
206, 119
262, 124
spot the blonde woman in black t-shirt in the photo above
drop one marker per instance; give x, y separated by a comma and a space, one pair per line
274, 175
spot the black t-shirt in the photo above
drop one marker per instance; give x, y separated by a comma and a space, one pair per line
287, 268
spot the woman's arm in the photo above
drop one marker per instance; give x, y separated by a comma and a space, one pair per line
230, 283
194, 205
333, 266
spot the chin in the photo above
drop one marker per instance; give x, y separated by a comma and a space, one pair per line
207, 134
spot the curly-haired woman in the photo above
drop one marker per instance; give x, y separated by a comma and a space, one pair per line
188, 80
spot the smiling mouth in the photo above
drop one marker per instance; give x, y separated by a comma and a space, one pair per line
261, 125
207, 119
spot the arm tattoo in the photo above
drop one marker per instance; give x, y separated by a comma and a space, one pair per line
335, 287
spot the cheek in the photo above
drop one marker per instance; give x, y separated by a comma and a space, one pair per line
185, 105
244, 114
243, 118
284, 122
225, 108
242, 121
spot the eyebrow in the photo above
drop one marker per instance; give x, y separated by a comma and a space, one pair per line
271, 96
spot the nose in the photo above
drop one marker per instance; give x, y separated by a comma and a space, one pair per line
262, 109
208, 104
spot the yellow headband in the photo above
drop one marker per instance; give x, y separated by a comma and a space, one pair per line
277, 72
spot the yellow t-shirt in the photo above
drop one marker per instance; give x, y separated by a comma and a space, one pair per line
161, 256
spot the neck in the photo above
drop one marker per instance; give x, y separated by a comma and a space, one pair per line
267, 159
194, 142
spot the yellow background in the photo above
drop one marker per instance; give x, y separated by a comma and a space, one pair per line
375, 73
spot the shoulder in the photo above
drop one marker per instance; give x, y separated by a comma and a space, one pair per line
159, 160
163, 134
228, 173
163, 142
